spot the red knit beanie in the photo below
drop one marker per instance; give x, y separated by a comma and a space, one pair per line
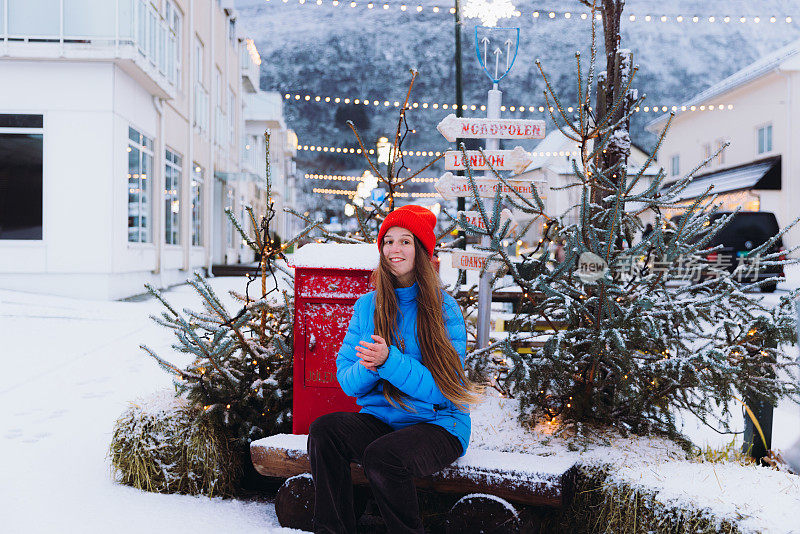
417, 220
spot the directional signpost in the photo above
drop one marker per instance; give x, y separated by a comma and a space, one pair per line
452, 127
450, 187
475, 219
501, 160
492, 128
474, 261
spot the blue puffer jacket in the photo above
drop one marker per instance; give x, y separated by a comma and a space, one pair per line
404, 370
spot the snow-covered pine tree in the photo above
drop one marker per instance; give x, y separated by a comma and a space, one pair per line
662, 330
241, 375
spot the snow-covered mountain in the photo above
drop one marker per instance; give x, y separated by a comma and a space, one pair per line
358, 53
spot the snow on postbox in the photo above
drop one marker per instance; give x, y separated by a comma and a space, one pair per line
328, 279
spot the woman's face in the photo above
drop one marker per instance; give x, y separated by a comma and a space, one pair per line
398, 248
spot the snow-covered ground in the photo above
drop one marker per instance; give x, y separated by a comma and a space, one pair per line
70, 367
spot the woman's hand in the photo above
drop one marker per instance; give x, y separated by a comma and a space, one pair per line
373, 355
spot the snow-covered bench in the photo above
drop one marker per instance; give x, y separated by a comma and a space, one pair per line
501, 476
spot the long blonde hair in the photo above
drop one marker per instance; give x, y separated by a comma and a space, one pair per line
438, 353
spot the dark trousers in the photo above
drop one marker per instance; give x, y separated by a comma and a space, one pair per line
390, 458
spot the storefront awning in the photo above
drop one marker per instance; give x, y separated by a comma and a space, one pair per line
763, 174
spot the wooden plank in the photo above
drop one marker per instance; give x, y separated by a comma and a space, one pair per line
285, 463
504, 296
452, 127
450, 187
475, 219
286, 457
502, 160
474, 260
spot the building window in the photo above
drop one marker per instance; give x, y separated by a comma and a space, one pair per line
174, 18
201, 101
720, 151
232, 31
231, 116
21, 144
140, 167
199, 53
707, 154
219, 116
172, 195
242, 217
675, 165
230, 231
765, 139
197, 205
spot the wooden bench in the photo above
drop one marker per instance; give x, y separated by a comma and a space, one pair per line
515, 477
515, 296
503, 323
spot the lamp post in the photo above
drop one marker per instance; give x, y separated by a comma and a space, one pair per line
384, 151
368, 182
461, 202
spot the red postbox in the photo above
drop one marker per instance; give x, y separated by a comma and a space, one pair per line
327, 281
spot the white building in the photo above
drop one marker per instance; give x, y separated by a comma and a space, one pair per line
121, 133
757, 111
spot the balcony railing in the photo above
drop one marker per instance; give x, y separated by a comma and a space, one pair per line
250, 61
251, 154
89, 25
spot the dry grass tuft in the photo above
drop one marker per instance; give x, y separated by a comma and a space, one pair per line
728, 453
603, 506
164, 445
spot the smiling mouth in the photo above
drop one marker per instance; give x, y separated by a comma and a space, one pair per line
396, 260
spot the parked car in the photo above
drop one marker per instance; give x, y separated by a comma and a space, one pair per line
746, 231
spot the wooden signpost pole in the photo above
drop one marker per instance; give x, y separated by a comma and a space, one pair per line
484, 285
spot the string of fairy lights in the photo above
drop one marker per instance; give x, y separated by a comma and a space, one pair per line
555, 15
352, 193
351, 150
333, 100
347, 150
344, 178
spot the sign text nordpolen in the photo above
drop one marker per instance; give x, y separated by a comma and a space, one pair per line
452, 127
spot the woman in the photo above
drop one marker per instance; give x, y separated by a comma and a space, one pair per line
402, 359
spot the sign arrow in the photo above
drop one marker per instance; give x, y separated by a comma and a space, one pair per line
475, 219
451, 187
497, 53
474, 260
508, 52
452, 127
485, 42
515, 160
